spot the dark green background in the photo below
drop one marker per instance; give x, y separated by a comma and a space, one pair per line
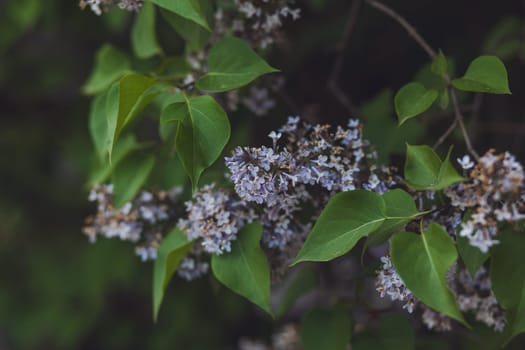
59, 292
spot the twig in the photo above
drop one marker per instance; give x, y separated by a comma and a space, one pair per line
332, 83
446, 134
408, 27
459, 119
428, 49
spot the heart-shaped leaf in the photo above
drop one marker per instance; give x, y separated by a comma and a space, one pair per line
412, 100
189, 9
245, 269
400, 209
422, 262
484, 74
202, 132
232, 64
425, 171
349, 216
346, 218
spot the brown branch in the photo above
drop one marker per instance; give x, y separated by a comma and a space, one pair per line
428, 49
460, 120
446, 134
403, 22
332, 83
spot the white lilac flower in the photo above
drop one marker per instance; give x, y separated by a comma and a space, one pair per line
476, 296
310, 155
465, 162
138, 221
215, 217
494, 194
388, 282
98, 6
435, 320
192, 265
146, 253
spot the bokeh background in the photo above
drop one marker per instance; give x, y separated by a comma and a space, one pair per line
57, 291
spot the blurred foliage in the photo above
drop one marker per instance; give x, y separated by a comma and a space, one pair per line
58, 291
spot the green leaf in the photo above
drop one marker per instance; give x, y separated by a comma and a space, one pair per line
202, 132
189, 9
98, 125
425, 171
427, 76
304, 281
471, 256
125, 99
129, 176
422, 166
326, 329
380, 127
422, 262
507, 275
232, 64
103, 170
193, 34
484, 74
171, 251
413, 99
439, 65
245, 269
143, 37
400, 209
448, 175
349, 216
110, 65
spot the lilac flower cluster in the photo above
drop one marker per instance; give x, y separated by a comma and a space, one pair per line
473, 294
495, 193
306, 163
140, 221
215, 217
99, 6
312, 155
388, 282
194, 264
258, 21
